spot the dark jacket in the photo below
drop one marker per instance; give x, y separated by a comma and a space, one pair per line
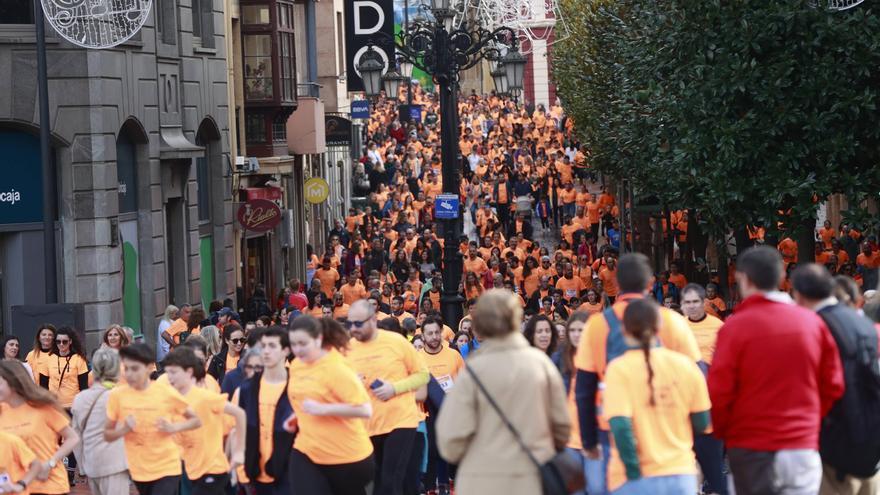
248, 399
847, 440
217, 366
232, 380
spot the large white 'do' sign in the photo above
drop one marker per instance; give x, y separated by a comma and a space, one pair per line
96, 23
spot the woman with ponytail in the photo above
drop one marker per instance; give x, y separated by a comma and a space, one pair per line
655, 401
332, 453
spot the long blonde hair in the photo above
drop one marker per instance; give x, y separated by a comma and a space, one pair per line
23, 385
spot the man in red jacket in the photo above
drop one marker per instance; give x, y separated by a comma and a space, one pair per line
775, 374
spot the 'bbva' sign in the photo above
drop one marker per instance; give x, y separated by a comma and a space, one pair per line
365, 21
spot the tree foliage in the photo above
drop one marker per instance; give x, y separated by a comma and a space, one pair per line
737, 108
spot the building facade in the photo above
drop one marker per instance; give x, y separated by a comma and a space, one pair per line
142, 170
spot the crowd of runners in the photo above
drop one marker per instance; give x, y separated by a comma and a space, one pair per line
351, 382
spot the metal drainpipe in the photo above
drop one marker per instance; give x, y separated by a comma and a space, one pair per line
312, 48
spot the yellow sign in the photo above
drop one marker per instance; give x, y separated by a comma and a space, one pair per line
316, 190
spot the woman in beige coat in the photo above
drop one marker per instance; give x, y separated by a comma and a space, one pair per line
528, 388
104, 463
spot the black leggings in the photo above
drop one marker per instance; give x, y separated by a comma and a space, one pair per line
337, 479
169, 485
210, 484
393, 451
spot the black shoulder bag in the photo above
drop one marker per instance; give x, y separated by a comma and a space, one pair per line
561, 475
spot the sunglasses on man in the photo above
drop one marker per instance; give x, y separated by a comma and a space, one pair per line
355, 324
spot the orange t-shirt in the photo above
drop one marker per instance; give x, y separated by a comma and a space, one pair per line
202, 448
15, 457
151, 453
63, 374
350, 293
593, 212
570, 287
39, 428
444, 366
476, 265
678, 279
328, 280
609, 281
388, 357
328, 440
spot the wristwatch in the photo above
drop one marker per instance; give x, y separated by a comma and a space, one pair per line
23, 484
52, 463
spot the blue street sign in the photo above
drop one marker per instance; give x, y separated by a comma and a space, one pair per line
446, 206
360, 109
415, 113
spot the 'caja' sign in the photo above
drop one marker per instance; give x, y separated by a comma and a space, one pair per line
365, 21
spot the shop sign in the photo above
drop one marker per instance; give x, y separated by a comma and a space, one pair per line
316, 190
337, 130
360, 109
270, 193
364, 21
21, 190
259, 215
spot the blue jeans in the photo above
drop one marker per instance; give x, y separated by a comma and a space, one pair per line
710, 455
660, 485
577, 454
597, 471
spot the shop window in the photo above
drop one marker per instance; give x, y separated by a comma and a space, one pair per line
258, 67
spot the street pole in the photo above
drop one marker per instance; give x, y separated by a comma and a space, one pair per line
409, 78
46, 159
450, 300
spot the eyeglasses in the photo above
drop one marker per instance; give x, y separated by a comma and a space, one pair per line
355, 323
238, 341
255, 367
62, 341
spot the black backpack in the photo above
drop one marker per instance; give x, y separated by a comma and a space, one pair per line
850, 437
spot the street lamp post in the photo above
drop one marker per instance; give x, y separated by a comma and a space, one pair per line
440, 49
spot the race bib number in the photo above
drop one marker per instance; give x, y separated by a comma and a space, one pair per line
445, 382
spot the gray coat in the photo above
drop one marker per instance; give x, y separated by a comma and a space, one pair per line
529, 389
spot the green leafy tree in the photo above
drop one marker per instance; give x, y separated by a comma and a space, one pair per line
739, 110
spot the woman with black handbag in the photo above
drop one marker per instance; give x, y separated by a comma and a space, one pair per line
506, 424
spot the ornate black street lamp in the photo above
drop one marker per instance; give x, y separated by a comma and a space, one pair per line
443, 50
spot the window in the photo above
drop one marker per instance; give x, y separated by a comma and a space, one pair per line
254, 127
255, 15
285, 16
288, 67
16, 12
166, 21
126, 173
203, 22
203, 184
279, 129
258, 67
